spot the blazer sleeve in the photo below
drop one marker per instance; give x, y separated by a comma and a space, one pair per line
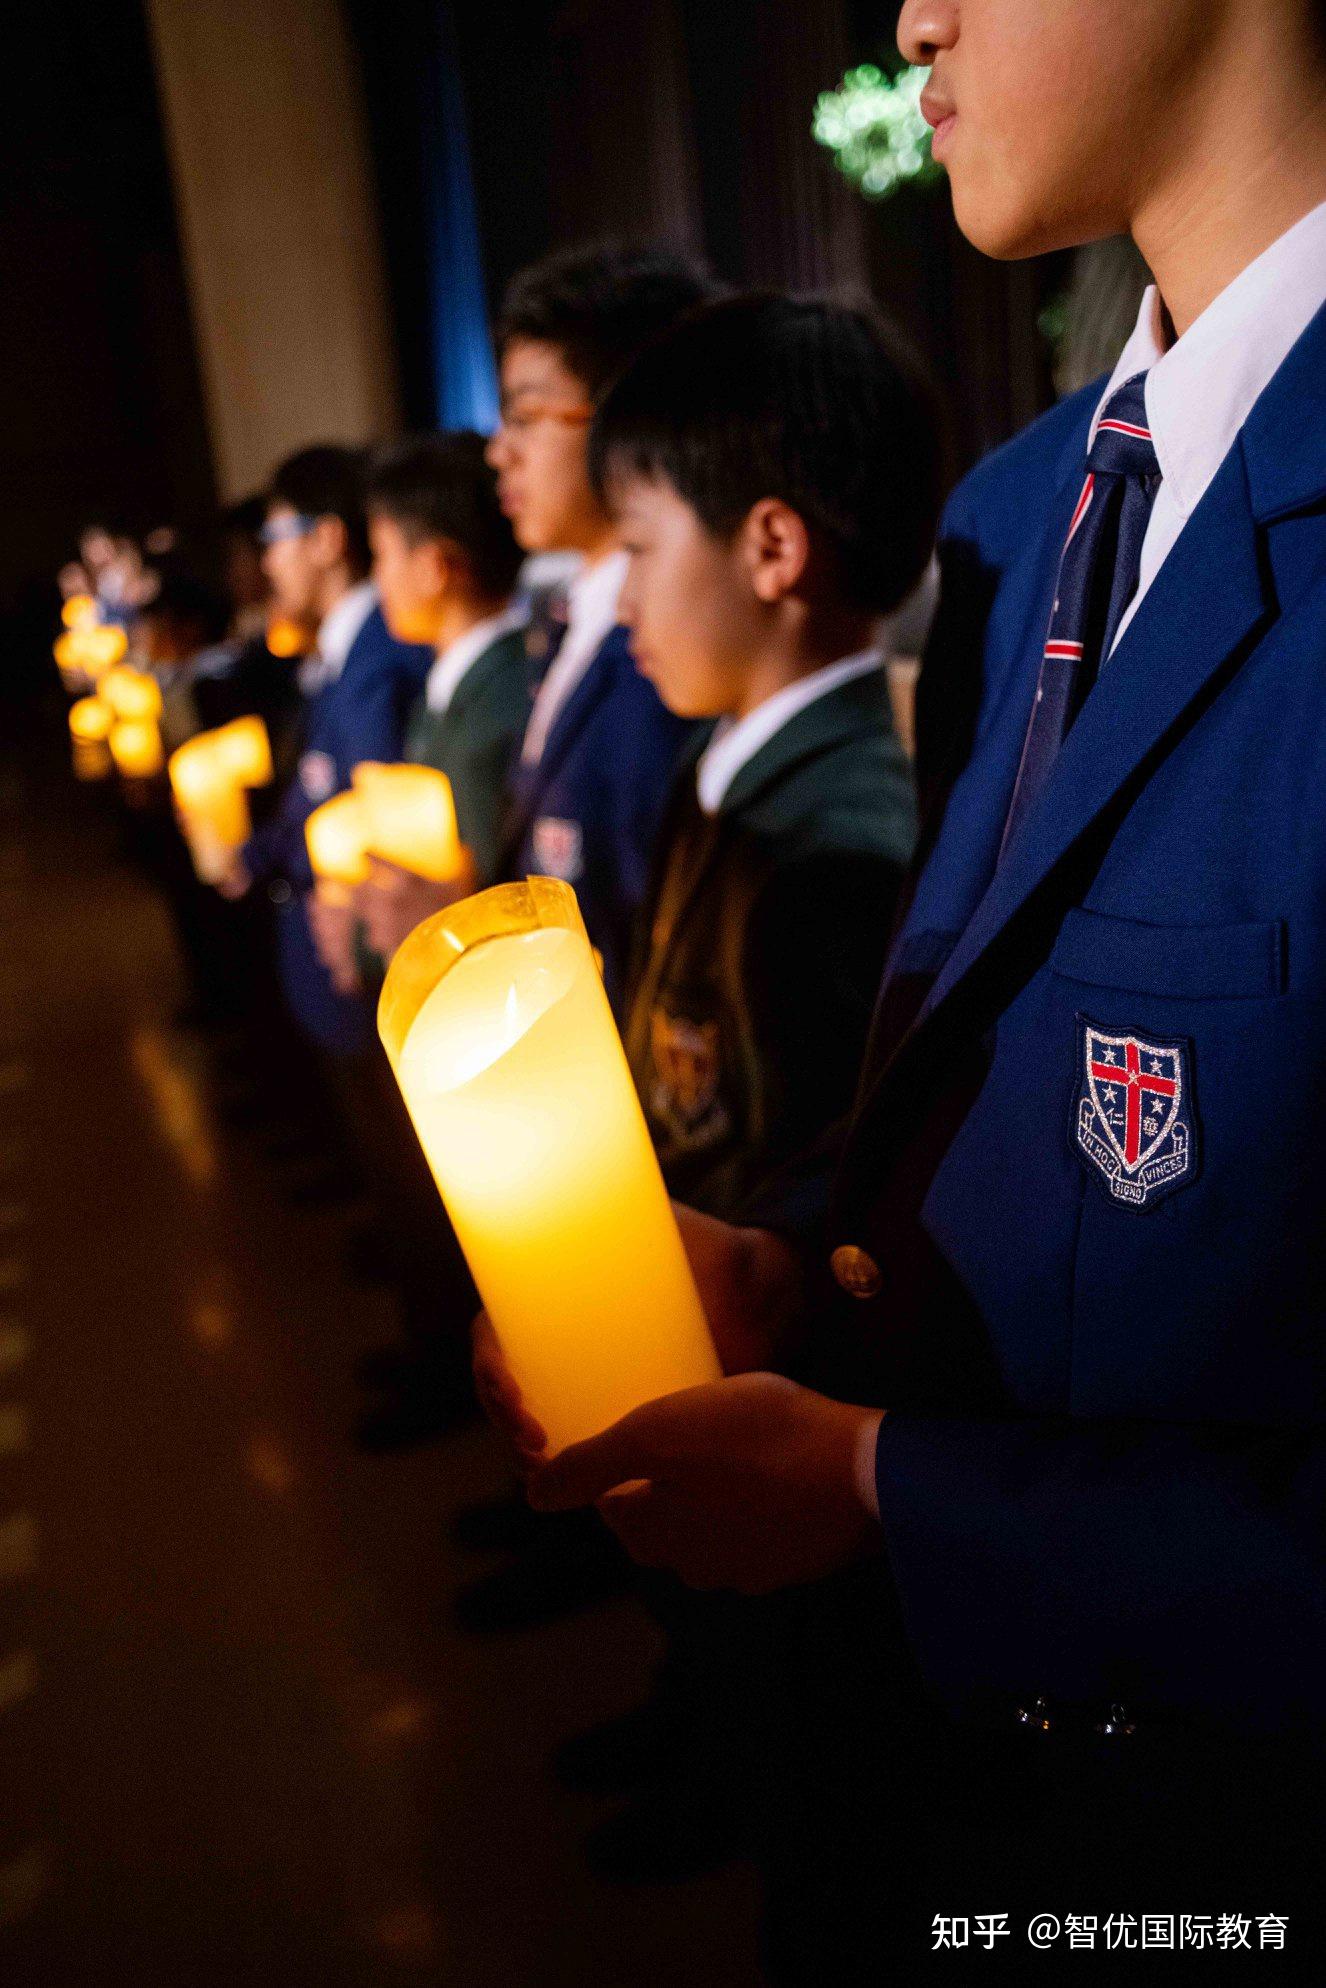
1177, 1568
278, 848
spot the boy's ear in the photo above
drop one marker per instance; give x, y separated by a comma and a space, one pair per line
446, 566
329, 541
775, 546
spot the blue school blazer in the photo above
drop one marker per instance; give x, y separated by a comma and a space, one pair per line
1083, 1197
589, 812
361, 715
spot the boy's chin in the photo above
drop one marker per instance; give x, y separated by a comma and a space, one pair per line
1013, 232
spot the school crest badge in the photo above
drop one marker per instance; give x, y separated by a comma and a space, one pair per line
684, 1095
559, 849
1134, 1117
317, 775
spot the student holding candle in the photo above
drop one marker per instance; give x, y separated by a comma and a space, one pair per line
773, 468
358, 690
445, 564
599, 751
1076, 1439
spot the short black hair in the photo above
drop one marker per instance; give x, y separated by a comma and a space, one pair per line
327, 481
244, 518
600, 304
817, 402
440, 486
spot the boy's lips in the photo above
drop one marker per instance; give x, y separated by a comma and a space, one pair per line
940, 115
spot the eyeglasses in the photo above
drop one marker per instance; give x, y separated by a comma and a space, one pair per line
519, 420
277, 531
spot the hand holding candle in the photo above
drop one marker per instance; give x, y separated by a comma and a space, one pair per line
501, 1038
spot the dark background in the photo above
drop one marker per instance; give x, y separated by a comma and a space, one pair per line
586, 118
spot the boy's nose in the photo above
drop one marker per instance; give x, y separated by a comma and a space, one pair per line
926, 26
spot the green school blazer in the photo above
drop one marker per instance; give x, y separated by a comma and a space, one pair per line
764, 941
474, 741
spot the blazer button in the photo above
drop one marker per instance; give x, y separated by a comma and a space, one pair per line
856, 1270
1036, 1716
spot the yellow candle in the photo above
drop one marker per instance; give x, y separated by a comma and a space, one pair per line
79, 611
213, 807
131, 694
337, 838
411, 818
135, 745
502, 1041
286, 639
245, 750
90, 720
100, 649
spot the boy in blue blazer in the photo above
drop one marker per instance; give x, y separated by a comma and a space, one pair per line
358, 687
598, 754
1076, 1230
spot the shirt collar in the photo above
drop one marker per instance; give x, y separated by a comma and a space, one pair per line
591, 600
736, 742
1202, 389
340, 628
458, 658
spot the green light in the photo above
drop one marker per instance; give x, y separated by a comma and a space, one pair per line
872, 124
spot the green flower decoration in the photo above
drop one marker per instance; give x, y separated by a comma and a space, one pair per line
872, 124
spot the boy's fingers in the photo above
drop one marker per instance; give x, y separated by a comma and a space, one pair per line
583, 1472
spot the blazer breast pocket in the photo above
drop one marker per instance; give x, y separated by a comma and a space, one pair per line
1173, 962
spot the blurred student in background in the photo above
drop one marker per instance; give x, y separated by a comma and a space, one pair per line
599, 751
358, 687
445, 563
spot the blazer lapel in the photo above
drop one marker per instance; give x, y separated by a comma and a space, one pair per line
529, 783
1204, 605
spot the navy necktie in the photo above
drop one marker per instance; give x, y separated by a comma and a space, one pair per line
1097, 578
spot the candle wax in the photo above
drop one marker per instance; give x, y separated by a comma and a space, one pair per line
515, 1078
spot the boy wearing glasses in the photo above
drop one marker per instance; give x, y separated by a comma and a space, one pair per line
599, 751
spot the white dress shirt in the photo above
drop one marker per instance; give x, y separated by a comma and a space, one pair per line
338, 632
592, 613
455, 661
1201, 390
736, 741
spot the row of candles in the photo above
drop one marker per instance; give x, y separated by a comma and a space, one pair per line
497, 1027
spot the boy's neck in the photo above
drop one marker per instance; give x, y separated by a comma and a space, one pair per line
334, 587
1249, 161
458, 617
598, 547
809, 642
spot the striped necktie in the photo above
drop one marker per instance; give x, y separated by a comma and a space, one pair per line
1098, 571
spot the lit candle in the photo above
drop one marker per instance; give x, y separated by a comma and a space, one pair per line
131, 694
90, 720
245, 750
99, 649
135, 745
499, 1032
286, 639
337, 838
213, 807
79, 611
411, 818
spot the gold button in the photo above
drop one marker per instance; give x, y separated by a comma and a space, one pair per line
856, 1270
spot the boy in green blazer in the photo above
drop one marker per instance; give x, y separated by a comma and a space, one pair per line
445, 563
